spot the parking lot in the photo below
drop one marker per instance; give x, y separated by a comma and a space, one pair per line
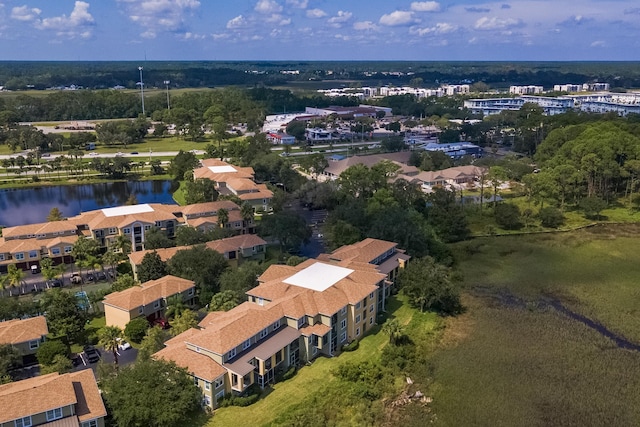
35, 283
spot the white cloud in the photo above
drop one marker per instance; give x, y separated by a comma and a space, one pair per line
220, 36
599, 43
316, 13
24, 13
267, 7
425, 6
300, 4
486, 23
438, 29
237, 22
365, 26
397, 18
156, 16
77, 24
276, 18
340, 18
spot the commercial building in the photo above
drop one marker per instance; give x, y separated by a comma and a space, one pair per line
53, 400
294, 315
237, 181
281, 138
147, 300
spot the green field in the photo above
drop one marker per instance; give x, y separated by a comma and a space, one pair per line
522, 363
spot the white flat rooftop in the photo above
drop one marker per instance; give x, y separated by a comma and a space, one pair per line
318, 277
127, 210
222, 169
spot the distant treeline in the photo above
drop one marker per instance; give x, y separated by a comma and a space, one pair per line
15, 75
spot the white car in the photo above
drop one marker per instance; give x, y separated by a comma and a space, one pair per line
123, 345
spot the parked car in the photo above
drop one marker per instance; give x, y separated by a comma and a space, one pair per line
55, 283
75, 278
76, 359
101, 275
90, 277
91, 354
123, 345
134, 152
163, 323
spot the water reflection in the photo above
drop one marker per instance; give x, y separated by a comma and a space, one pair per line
31, 205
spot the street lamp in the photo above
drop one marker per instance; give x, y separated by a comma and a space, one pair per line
166, 83
141, 90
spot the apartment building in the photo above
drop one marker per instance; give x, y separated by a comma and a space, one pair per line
235, 249
27, 245
24, 334
526, 90
147, 300
53, 400
237, 181
294, 315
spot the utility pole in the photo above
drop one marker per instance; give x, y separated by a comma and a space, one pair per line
141, 90
166, 83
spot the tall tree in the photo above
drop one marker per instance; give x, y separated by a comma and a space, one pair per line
152, 267
202, 265
55, 215
183, 322
223, 217
109, 338
64, 317
139, 394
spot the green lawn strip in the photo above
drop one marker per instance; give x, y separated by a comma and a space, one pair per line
289, 395
179, 195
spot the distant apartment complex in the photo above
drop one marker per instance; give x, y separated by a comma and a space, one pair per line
294, 315
53, 400
237, 181
27, 245
526, 90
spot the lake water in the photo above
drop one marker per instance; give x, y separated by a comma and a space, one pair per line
32, 205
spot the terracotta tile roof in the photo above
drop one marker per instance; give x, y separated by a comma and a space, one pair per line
39, 228
165, 254
148, 292
52, 391
400, 159
318, 329
366, 250
90, 404
18, 331
277, 271
241, 184
201, 208
203, 220
199, 365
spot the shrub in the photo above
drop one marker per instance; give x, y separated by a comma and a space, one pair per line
136, 329
48, 350
551, 217
508, 216
352, 346
252, 397
286, 375
398, 356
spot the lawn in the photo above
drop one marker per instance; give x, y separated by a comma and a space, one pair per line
511, 361
311, 382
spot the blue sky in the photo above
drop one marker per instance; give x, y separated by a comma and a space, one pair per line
319, 30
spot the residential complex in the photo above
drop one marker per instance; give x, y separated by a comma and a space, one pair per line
147, 300
400, 159
53, 400
294, 315
459, 178
237, 181
236, 250
27, 245
24, 334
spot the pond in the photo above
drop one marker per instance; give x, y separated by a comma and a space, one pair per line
32, 205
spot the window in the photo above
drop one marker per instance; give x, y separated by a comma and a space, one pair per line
156, 304
23, 422
55, 251
207, 385
371, 321
147, 227
371, 309
34, 344
1, 257
276, 325
264, 332
301, 322
344, 310
67, 249
343, 337
54, 414
195, 380
219, 395
358, 332
246, 344
140, 310
343, 324
190, 292
197, 349
371, 295
219, 383
260, 301
232, 255
20, 255
279, 357
113, 230
33, 254
92, 423
207, 400
231, 354
358, 305
127, 230
234, 380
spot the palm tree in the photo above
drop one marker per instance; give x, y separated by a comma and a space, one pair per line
15, 277
223, 217
175, 306
110, 337
392, 328
3, 282
246, 211
123, 244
